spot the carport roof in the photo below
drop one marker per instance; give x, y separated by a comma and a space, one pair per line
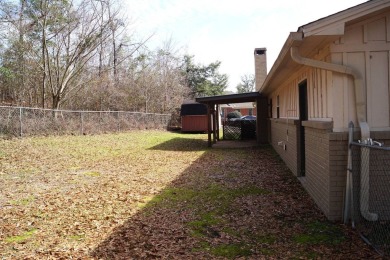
233, 98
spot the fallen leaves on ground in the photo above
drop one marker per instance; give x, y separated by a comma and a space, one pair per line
154, 194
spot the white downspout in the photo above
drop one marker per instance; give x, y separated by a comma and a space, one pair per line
360, 102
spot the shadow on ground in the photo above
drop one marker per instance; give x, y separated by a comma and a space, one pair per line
229, 204
182, 144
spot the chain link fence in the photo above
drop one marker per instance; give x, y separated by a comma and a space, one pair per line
22, 121
239, 129
371, 194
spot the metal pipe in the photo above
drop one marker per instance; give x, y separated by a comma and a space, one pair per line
348, 193
360, 102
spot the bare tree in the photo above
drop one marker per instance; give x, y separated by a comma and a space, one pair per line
79, 54
69, 47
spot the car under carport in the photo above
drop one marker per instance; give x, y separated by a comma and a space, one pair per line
213, 102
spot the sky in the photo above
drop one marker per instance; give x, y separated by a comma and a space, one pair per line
227, 30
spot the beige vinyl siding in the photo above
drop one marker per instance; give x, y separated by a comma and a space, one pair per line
364, 47
378, 96
331, 96
288, 97
318, 89
318, 92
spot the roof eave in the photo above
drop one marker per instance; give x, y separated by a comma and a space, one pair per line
335, 24
323, 30
233, 98
293, 39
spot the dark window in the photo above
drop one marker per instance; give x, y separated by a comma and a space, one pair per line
277, 107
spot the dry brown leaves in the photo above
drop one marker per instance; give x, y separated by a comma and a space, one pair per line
152, 194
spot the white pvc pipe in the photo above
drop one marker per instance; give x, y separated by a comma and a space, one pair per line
360, 102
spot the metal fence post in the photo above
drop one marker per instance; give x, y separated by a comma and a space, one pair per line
81, 123
348, 190
118, 121
20, 122
100, 122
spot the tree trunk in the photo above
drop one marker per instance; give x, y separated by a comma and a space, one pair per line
44, 8
21, 58
56, 102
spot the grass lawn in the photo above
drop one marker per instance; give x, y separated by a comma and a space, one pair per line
154, 194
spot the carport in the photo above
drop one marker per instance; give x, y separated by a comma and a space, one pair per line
213, 103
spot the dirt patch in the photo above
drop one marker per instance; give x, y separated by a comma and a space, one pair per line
155, 194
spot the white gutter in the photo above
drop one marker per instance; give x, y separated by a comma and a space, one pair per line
360, 102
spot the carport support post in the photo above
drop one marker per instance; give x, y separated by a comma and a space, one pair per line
217, 121
214, 125
209, 124
262, 120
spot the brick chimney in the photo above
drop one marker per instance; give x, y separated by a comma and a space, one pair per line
260, 67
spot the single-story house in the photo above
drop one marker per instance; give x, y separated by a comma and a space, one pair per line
330, 72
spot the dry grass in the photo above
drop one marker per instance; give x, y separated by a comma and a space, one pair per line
152, 194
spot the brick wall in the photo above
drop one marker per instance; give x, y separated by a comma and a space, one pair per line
338, 150
284, 131
326, 160
337, 170
326, 155
316, 180
326, 167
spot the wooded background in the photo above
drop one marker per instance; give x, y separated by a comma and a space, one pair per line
84, 55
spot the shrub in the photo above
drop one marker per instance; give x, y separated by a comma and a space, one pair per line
234, 114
